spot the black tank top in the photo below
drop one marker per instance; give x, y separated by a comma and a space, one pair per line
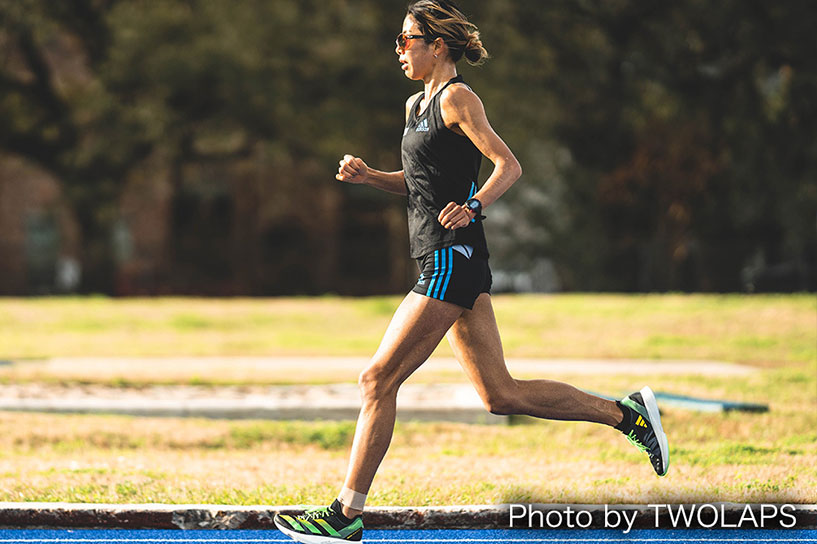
440, 166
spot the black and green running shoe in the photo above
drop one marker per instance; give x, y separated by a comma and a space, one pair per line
323, 525
642, 427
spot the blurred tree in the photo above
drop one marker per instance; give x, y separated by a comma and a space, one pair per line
203, 86
665, 146
55, 113
678, 151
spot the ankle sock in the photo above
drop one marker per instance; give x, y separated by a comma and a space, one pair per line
352, 499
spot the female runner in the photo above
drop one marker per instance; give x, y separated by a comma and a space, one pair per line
445, 136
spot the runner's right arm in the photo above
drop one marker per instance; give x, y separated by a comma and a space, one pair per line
354, 170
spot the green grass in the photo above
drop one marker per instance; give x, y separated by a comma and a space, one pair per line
325, 435
759, 329
767, 457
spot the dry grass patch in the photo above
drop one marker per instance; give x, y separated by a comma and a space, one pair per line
118, 459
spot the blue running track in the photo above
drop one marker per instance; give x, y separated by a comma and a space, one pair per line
442, 536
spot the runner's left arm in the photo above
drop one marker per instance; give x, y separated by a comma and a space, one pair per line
463, 112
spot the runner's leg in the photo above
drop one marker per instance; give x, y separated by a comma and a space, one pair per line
417, 327
477, 345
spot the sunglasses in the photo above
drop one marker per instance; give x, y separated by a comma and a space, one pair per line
403, 39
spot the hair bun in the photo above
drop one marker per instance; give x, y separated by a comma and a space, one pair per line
442, 19
475, 52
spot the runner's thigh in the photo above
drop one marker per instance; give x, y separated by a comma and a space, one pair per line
417, 327
476, 343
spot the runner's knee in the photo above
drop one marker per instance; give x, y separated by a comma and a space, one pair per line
501, 406
375, 384
501, 402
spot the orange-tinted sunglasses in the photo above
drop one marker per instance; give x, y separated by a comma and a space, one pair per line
403, 39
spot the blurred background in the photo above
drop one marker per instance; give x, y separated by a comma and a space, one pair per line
189, 147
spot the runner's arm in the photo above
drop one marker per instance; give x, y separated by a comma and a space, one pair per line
462, 111
354, 170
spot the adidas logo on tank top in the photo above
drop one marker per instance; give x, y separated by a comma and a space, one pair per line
422, 127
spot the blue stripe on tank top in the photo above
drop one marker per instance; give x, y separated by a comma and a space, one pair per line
450, 270
433, 278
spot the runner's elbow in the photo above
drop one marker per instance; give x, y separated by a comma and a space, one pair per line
516, 169
512, 169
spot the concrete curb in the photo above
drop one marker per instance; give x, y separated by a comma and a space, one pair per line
198, 516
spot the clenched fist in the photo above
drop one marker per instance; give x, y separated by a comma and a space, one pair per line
352, 170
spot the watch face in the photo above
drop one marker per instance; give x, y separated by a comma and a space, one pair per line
473, 204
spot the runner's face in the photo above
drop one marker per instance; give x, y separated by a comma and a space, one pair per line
415, 58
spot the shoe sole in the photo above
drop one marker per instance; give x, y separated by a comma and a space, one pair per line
309, 539
655, 420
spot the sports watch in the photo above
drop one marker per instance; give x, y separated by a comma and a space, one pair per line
475, 206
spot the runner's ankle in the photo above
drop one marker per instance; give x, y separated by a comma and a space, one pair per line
350, 513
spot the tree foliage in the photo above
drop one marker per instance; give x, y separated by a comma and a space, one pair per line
665, 146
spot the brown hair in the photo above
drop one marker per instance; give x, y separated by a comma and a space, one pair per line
443, 19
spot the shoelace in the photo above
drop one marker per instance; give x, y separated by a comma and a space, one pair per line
319, 512
633, 439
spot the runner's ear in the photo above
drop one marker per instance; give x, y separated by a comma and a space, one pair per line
438, 44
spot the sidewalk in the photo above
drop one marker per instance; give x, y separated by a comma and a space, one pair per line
416, 402
422, 398
346, 369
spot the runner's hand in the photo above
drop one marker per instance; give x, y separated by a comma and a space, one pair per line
352, 170
455, 216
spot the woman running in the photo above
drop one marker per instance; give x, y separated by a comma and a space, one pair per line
446, 134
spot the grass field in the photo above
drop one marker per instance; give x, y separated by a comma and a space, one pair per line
761, 330
768, 457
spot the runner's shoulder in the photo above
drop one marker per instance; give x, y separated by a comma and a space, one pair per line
458, 102
459, 95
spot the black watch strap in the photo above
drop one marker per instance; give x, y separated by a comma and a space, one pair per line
476, 206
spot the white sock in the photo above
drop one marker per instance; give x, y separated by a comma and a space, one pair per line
352, 499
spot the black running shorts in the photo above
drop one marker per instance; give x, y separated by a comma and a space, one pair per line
447, 274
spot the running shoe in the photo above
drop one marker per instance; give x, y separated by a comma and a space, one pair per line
325, 525
642, 427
